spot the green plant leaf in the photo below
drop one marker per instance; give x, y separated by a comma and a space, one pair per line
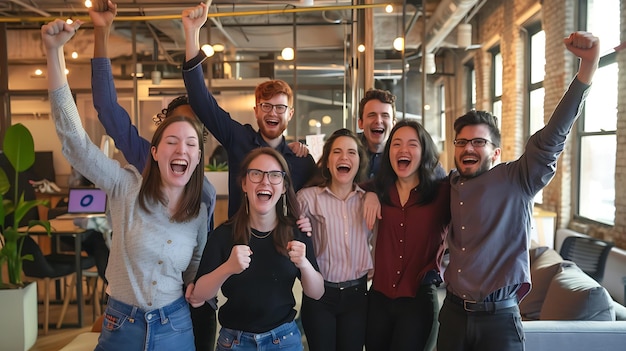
19, 147
4, 182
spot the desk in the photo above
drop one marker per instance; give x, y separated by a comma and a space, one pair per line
66, 227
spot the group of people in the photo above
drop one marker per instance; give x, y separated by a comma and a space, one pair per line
381, 212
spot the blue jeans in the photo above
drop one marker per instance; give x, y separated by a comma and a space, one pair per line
284, 337
128, 327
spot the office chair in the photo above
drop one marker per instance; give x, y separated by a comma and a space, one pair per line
47, 269
589, 254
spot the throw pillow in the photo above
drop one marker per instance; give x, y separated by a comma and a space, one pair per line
573, 295
542, 268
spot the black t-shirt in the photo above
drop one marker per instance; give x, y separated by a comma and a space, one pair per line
260, 298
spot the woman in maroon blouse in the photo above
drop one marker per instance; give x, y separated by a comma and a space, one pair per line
403, 304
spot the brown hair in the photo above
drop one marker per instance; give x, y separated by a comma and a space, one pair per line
322, 164
383, 96
189, 206
283, 233
271, 88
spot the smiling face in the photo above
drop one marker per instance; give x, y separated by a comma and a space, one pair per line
273, 124
343, 161
177, 154
376, 123
473, 161
263, 196
405, 152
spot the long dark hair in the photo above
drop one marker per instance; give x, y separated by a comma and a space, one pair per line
189, 206
386, 177
283, 233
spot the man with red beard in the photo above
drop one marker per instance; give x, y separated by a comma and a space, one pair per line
273, 110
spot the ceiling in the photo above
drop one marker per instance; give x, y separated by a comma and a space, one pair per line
249, 30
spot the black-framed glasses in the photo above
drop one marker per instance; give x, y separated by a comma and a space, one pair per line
476, 142
267, 107
256, 176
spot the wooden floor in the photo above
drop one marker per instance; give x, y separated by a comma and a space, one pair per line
57, 338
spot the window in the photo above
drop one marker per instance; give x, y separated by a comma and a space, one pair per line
597, 129
471, 86
496, 84
442, 115
535, 91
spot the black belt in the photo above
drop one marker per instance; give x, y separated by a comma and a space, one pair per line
346, 284
473, 306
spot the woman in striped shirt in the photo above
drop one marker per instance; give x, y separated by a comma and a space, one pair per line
341, 241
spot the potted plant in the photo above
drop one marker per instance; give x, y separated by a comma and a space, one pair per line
217, 174
17, 299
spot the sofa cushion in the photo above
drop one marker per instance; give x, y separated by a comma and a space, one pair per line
542, 268
620, 311
573, 295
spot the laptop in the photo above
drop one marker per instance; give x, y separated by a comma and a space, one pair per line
85, 203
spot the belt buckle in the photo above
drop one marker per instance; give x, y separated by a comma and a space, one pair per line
465, 302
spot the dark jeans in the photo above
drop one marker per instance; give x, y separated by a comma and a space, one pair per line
204, 327
460, 330
405, 323
337, 321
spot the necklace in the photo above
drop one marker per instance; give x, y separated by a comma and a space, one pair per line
261, 236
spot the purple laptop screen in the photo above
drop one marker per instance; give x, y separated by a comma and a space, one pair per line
86, 200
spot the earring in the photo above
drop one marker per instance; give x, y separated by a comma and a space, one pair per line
245, 195
284, 205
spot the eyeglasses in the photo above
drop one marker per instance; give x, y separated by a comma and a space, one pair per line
267, 107
476, 142
256, 176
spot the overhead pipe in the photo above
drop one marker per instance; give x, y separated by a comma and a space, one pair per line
210, 15
30, 8
447, 16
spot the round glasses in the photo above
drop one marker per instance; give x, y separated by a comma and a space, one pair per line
256, 176
267, 107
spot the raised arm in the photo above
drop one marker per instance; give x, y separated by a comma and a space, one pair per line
586, 47
112, 115
77, 147
54, 35
193, 19
218, 122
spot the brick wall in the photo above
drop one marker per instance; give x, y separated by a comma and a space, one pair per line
500, 22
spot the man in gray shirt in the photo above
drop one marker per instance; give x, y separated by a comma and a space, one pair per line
491, 207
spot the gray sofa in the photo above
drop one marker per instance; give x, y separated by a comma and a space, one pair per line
575, 335
568, 310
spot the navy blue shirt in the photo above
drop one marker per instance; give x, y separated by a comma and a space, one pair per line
238, 139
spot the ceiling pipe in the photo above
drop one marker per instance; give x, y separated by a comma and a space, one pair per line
30, 8
447, 16
49, 18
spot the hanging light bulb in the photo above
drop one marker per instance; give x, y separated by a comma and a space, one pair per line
74, 55
398, 43
361, 48
208, 50
287, 54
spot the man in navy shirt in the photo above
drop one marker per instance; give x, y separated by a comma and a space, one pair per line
273, 110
